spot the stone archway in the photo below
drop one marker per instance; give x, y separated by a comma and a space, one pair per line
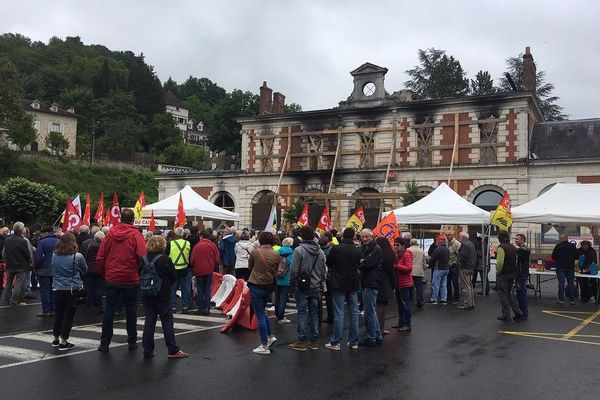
262, 202
371, 207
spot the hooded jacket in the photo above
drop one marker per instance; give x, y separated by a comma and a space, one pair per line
227, 250
286, 252
343, 262
308, 258
42, 258
204, 258
120, 255
243, 248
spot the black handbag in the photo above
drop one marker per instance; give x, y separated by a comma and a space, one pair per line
80, 295
304, 277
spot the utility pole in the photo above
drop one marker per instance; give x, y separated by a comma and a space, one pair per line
93, 142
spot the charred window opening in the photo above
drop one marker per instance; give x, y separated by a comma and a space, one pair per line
367, 144
266, 145
488, 137
425, 141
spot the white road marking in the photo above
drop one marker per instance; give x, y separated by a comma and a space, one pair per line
21, 354
47, 338
204, 318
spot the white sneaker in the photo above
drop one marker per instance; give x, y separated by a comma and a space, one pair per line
352, 346
283, 321
270, 309
270, 341
335, 347
261, 350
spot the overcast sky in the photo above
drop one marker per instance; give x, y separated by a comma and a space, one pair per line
306, 49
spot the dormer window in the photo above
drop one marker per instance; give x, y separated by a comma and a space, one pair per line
54, 108
200, 126
35, 105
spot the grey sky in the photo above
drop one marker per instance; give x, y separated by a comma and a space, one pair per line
305, 49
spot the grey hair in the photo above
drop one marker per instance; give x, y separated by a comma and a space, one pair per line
105, 229
414, 242
148, 235
407, 236
98, 236
366, 232
18, 227
288, 241
84, 229
95, 229
463, 235
178, 231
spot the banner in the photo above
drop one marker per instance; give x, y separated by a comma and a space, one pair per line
86, 215
357, 220
72, 218
180, 219
303, 219
99, 216
388, 228
139, 204
115, 211
324, 224
272, 221
502, 217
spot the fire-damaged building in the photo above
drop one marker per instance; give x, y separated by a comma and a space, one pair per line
368, 147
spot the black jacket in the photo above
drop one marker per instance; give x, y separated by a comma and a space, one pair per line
89, 249
82, 237
590, 257
343, 262
166, 270
370, 267
565, 254
523, 256
440, 258
387, 283
16, 253
510, 260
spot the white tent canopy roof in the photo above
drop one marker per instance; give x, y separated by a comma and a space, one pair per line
442, 206
194, 205
564, 203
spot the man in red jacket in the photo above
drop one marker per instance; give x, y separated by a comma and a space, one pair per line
204, 258
118, 261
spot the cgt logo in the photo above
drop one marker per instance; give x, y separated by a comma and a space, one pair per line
74, 221
387, 231
114, 212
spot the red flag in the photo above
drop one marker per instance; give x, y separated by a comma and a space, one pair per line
107, 220
324, 224
303, 220
388, 228
180, 219
72, 218
152, 226
99, 216
86, 214
115, 211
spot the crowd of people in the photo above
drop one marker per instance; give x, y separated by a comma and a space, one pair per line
355, 273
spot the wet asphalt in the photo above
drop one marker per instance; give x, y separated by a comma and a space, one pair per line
450, 354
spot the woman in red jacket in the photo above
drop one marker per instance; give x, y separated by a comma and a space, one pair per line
404, 267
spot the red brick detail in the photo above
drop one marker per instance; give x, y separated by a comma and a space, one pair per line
296, 148
251, 150
404, 125
447, 139
511, 138
203, 191
283, 144
291, 189
461, 186
589, 179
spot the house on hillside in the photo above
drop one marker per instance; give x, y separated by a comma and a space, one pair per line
178, 110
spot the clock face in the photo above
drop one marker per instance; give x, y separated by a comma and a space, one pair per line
369, 89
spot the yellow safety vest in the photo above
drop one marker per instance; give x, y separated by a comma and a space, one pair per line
180, 253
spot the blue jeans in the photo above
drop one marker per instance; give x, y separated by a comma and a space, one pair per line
570, 275
403, 299
307, 302
522, 295
452, 285
46, 295
204, 286
184, 281
438, 286
260, 298
152, 311
94, 285
372, 330
338, 297
281, 298
128, 296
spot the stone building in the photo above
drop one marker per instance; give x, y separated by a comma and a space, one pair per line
379, 141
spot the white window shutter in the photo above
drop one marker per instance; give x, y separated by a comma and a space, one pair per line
62, 128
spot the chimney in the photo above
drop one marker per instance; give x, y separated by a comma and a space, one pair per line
529, 71
265, 105
278, 103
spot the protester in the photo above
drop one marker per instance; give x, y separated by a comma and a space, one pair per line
159, 305
263, 264
68, 266
83, 235
94, 282
586, 256
204, 258
523, 255
403, 267
19, 260
227, 250
194, 236
4, 232
506, 271
118, 261
439, 263
386, 283
467, 260
418, 271
283, 282
242, 250
370, 268
565, 255
343, 263
43, 269
307, 275
479, 268
326, 244
453, 274
178, 250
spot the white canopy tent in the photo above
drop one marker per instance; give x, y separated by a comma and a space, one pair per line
442, 206
194, 205
576, 203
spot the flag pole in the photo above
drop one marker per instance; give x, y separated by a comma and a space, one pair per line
285, 162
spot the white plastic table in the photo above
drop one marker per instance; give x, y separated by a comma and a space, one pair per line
537, 286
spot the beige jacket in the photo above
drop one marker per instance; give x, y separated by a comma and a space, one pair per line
418, 257
453, 246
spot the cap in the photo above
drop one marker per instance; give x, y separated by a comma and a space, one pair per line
441, 237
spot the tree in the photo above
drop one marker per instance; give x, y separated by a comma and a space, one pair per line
292, 108
412, 193
543, 90
199, 110
292, 214
57, 143
23, 200
160, 134
437, 76
483, 84
184, 155
203, 88
224, 131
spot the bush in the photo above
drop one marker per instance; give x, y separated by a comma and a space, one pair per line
23, 200
184, 155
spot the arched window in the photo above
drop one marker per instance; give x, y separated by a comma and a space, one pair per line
488, 200
262, 202
224, 200
371, 207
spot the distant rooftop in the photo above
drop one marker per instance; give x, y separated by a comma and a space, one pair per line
565, 139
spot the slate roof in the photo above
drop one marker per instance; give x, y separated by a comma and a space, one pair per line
565, 140
172, 100
45, 108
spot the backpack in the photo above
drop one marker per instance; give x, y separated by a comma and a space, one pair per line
150, 282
